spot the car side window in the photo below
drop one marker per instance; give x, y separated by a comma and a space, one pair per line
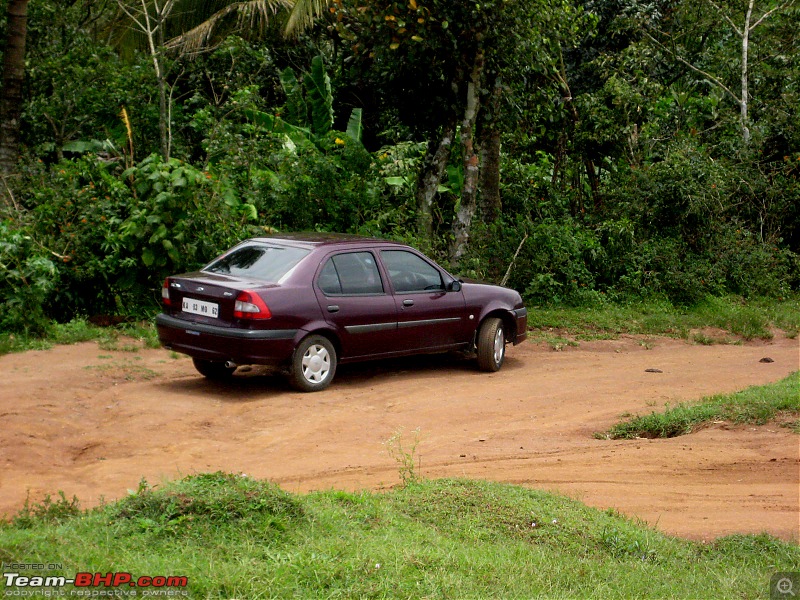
409, 273
352, 273
329, 279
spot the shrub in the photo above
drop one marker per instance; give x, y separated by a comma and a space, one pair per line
557, 264
28, 277
120, 233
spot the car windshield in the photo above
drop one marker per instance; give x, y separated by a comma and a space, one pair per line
258, 261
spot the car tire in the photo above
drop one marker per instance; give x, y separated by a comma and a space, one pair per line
313, 364
212, 369
491, 345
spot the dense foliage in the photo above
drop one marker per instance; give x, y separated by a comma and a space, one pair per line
603, 149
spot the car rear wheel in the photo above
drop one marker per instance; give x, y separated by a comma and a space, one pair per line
313, 364
491, 345
213, 369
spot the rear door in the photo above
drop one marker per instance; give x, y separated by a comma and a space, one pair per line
428, 316
356, 302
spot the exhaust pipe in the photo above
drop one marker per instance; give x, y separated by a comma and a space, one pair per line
230, 364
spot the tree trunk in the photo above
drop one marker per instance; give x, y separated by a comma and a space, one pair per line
13, 77
491, 202
745, 49
158, 65
594, 183
152, 26
428, 183
463, 220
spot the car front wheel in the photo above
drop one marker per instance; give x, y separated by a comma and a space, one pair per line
313, 364
491, 345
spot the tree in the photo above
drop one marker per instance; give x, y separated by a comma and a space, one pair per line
13, 77
435, 62
743, 20
151, 20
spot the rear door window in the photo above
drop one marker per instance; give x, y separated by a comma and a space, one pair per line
350, 274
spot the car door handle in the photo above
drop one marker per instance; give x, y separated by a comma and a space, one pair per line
333, 308
408, 303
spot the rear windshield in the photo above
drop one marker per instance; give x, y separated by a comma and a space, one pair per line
258, 261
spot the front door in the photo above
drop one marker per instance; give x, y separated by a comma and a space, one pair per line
428, 316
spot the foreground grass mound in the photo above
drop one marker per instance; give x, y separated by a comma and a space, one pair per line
236, 537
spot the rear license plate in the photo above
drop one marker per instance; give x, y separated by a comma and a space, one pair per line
199, 307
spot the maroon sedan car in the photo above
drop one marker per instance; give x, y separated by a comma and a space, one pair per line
307, 302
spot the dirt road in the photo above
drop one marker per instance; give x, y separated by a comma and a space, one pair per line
93, 422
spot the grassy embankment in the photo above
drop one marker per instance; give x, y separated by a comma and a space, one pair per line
235, 537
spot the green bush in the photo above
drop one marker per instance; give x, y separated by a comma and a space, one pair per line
750, 267
557, 264
575, 263
120, 233
77, 206
28, 277
560, 258
328, 186
299, 180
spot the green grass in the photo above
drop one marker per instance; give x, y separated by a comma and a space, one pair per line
748, 320
559, 327
236, 537
128, 337
757, 405
125, 369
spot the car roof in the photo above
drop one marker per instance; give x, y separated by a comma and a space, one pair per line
314, 239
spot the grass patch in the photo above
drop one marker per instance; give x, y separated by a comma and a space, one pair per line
752, 319
125, 370
129, 337
556, 342
236, 537
756, 405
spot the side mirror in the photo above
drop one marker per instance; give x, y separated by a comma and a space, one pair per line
454, 286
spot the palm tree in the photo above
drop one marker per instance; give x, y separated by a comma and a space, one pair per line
13, 76
254, 14
303, 15
201, 23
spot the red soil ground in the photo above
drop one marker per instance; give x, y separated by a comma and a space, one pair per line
93, 422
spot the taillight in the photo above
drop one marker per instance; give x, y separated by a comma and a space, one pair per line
165, 293
249, 305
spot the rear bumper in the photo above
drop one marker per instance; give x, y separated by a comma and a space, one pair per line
211, 342
521, 318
